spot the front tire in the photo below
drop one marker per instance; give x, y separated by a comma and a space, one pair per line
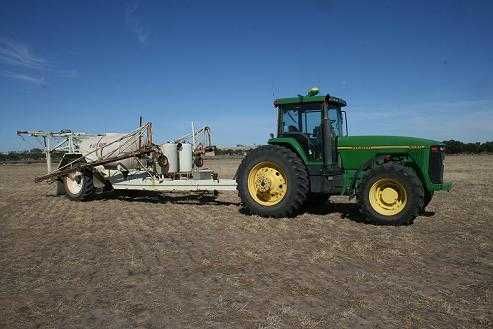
272, 182
390, 194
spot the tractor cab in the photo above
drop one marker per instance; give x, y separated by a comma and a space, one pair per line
315, 122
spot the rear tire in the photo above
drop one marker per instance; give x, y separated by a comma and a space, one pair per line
390, 194
272, 182
427, 199
79, 185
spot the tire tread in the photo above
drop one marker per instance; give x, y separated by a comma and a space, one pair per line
301, 176
416, 189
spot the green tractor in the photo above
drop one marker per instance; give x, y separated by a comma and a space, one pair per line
312, 158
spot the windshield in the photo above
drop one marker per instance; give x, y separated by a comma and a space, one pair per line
306, 121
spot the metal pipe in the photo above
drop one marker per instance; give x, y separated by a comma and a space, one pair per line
81, 166
327, 134
193, 136
48, 154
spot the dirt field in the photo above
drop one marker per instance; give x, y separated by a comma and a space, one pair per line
174, 261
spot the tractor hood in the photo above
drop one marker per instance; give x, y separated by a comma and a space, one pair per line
364, 142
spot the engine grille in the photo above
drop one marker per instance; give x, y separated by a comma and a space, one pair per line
436, 164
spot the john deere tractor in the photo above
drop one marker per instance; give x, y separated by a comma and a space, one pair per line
312, 158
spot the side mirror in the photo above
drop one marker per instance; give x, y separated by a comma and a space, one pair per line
271, 135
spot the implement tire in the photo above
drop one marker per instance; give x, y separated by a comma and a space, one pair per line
79, 185
272, 182
390, 194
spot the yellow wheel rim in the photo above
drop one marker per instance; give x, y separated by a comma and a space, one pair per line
388, 197
267, 183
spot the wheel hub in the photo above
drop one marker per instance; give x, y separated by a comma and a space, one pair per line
387, 197
74, 182
263, 184
267, 183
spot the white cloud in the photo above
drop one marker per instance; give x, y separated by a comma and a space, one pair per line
16, 55
40, 81
134, 22
13, 53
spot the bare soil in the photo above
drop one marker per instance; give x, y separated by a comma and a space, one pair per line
176, 261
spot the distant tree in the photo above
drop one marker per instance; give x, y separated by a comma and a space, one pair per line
487, 147
230, 152
453, 146
15, 156
473, 148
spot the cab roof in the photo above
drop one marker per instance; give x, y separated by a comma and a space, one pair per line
310, 99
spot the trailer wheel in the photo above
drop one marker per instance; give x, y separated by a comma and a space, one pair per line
390, 194
272, 181
78, 185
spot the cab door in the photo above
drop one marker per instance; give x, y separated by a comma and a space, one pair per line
303, 122
332, 130
312, 129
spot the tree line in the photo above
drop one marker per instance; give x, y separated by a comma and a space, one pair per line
458, 147
34, 155
451, 147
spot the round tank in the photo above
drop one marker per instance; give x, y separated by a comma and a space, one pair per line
185, 157
88, 145
170, 150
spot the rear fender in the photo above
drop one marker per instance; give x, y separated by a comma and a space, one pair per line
287, 142
291, 144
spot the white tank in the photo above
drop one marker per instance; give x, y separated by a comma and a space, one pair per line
88, 145
170, 150
185, 157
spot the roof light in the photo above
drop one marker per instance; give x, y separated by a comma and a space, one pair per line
313, 91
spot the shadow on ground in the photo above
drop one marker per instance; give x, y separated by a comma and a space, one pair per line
157, 197
348, 211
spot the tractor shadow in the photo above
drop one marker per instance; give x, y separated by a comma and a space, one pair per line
162, 198
348, 211
428, 214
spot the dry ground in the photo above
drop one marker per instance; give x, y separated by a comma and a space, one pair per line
172, 261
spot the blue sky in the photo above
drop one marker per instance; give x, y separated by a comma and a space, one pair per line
418, 68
